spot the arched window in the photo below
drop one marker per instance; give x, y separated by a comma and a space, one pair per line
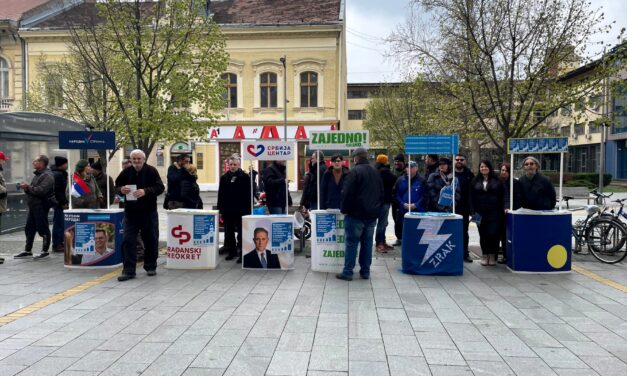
309, 89
230, 84
268, 89
4, 78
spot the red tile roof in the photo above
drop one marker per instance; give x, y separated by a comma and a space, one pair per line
13, 10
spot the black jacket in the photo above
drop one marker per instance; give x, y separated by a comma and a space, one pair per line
434, 186
174, 183
147, 179
41, 191
517, 194
60, 186
489, 202
310, 186
275, 185
330, 192
190, 191
430, 170
389, 179
101, 179
362, 195
537, 192
464, 179
234, 194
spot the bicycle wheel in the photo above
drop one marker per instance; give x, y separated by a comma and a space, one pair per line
606, 239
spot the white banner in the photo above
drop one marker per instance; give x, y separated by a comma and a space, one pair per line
268, 242
269, 151
327, 241
192, 239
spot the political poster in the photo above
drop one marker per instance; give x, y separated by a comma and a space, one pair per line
268, 151
268, 242
327, 241
192, 239
537, 145
335, 140
93, 238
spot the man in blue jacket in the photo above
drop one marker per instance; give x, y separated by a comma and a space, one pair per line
362, 198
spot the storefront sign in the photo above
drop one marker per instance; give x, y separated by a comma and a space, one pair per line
86, 140
537, 145
432, 144
268, 242
268, 151
339, 140
265, 132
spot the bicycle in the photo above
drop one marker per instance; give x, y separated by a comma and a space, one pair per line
581, 226
599, 198
609, 236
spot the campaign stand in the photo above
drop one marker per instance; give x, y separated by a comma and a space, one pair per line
548, 250
432, 242
85, 231
327, 241
276, 232
539, 241
93, 237
192, 239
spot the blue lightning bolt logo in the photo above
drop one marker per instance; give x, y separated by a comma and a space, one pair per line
431, 238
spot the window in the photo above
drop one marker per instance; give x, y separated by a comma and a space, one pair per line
356, 114
565, 111
230, 95
200, 161
268, 90
54, 91
595, 102
357, 93
578, 129
309, 89
565, 131
4, 78
593, 127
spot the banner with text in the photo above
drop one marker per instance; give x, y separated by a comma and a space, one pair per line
432, 144
93, 238
268, 151
192, 239
86, 140
537, 145
335, 140
327, 241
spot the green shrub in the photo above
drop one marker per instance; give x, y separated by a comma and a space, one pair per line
580, 183
575, 179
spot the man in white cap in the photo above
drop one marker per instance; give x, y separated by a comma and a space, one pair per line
538, 193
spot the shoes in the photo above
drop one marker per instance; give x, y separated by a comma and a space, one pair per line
59, 248
467, 259
23, 255
364, 276
388, 247
343, 277
223, 250
229, 257
484, 260
239, 260
140, 258
151, 273
1, 261
381, 249
41, 256
398, 242
125, 277
492, 260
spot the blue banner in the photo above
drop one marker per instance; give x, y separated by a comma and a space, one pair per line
282, 237
84, 241
93, 240
432, 144
537, 145
432, 245
86, 140
325, 228
204, 230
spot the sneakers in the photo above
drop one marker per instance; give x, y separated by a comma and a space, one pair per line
23, 255
343, 277
229, 257
381, 248
41, 256
125, 277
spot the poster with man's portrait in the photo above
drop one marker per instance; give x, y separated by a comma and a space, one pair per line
268, 242
92, 239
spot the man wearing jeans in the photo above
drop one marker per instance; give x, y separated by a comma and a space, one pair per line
362, 198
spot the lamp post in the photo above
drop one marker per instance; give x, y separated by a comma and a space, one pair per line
283, 61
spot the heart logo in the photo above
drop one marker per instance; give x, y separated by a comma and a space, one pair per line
260, 150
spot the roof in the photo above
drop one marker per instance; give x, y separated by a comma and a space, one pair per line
34, 125
229, 12
13, 10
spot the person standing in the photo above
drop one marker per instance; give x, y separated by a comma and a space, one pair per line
3, 191
59, 171
173, 196
276, 184
389, 180
417, 193
332, 183
537, 191
431, 165
362, 198
399, 170
85, 193
505, 172
39, 194
234, 202
441, 178
101, 180
486, 200
309, 198
141, 184
464, 177
190, 191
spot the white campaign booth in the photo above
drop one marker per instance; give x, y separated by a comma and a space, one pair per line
192, 239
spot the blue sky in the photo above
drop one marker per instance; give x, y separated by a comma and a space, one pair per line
369, 21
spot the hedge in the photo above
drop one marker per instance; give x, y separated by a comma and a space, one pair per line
577, 179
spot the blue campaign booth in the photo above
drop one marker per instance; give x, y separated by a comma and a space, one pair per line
538, 241
432, 244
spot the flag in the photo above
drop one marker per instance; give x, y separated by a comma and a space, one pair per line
79, 187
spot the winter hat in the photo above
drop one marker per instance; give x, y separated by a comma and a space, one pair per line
382, 159
80, 165
60, 161
96, 165
399, 157
534, 159
360, 152
442, 161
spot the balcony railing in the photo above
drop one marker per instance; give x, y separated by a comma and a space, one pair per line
6, 104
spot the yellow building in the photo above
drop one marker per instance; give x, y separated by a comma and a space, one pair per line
310, 37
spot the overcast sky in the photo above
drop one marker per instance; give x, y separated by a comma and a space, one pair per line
369, 21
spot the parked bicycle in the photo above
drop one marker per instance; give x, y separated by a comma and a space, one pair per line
600, 198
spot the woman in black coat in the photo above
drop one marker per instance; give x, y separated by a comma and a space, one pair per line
190, 191
486, 206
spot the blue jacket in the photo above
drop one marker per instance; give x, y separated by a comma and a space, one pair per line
418, 193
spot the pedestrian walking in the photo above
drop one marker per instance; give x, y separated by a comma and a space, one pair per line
417, 193
537, 191
464, 176
3, 191
309, 198
190, 191
85, 193
40, 198
388, 180
101, 180
59, 171
275, 184
332, 183
400, 169
233, 203
141, 184
173, 199
362, 198
485, 206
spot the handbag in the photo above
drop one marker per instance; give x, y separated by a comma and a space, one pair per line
446, 196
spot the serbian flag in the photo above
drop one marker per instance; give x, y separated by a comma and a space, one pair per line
79, 187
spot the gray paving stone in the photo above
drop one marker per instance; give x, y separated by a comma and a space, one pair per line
437, 370
167, 365
248, 366
480, 351
188, 344
404, 346
296, 342
215, 357
396, 327
368, 368
528, 366
421, 324
329, 358
326, 373
364, 330
49, 366
575, 372
165, 333
435, 340
145, 352
229, 337
366, 350
288, 363
536, 338
605, 365
586, 348
331, 337
480, 367
444, 357
305, 324
510, 346
10, 370
77, 348
408, 366
121, 368
96, 361
204, 372
27, 356
559, 357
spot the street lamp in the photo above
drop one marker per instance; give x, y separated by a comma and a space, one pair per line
283, 60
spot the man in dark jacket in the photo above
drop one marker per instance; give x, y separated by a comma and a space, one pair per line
400, 169
389, 180
234, 202
40, 197
309, 198
431, 165
362, 198
141, 184
537, 191
331, 184
275, 185
464, 177
173, 196
59, 171
101, 180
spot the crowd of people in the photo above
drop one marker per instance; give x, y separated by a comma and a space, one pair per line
365, 194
